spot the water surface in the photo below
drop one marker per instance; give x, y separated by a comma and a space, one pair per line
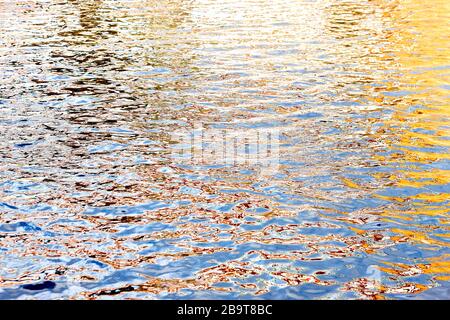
94, 205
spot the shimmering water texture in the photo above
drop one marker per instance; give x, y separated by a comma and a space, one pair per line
94, 204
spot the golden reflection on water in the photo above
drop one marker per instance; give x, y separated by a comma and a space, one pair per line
92, 90
422, 125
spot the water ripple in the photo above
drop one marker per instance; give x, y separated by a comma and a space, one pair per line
94, 204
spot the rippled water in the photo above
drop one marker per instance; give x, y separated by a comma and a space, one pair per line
94, 205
